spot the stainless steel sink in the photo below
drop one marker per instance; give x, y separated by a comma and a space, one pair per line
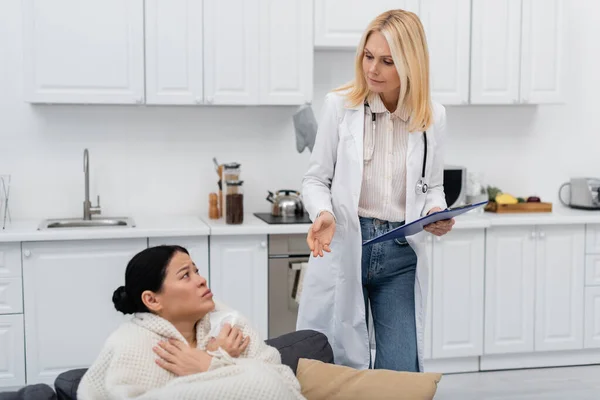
123, 222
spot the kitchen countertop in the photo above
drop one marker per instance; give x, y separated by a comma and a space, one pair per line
170, 226
163, 226
252, 225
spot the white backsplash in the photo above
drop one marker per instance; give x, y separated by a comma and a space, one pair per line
147, 160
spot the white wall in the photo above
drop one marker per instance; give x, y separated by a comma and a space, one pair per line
147, 160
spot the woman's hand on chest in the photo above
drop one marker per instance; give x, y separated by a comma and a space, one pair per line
181, 359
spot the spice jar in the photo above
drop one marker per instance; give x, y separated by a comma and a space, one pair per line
234, 202
231, 172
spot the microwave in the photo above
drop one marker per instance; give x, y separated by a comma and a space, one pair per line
455, 185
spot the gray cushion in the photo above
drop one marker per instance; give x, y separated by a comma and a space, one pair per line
302, 344
38, 391
292, 346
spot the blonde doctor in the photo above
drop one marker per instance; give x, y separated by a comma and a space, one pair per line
377, 163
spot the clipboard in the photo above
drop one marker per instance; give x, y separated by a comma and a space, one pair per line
416, 226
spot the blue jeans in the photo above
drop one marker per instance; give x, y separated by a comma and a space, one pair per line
388, 278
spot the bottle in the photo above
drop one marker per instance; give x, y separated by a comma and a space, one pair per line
234, 202
213, 209
230, 172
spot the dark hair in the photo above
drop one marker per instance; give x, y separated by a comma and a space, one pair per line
145, 271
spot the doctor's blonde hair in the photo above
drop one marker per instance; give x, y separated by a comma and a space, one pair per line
406, 38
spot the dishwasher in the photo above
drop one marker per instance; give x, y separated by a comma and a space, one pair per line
287, 255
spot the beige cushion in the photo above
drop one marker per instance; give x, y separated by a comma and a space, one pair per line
320, 380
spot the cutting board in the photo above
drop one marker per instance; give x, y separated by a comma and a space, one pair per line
492, 206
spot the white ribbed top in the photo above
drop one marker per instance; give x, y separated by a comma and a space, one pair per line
383, 192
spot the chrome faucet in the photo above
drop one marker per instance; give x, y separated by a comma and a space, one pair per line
88, 209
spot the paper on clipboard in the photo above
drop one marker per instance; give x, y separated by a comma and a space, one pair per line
416, 226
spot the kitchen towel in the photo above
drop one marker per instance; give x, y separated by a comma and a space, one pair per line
297, 291
305, 125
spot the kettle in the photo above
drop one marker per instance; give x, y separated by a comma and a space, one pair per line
584, 193
286, 203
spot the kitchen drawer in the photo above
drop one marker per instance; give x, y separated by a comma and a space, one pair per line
591, 336
592, 270
10, 260
11, 296
592, 239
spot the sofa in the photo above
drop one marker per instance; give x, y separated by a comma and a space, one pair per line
292, 346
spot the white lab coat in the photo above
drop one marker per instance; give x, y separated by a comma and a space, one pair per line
332, 299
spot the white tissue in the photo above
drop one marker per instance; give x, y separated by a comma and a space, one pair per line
220, 318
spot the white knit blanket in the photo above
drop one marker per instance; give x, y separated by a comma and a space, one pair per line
126, 368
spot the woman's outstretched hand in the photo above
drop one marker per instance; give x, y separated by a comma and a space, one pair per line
321, 234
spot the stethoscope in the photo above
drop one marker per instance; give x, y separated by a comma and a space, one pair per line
421, 187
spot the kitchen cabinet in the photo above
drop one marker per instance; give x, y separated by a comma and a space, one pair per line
11, 299
197, 246
12, 351
592, 239
171, 52
458, 294
496, 51
286, 52
534, 288
231, 51
517, 52
591, 337
592, 269
447, 25
341, 23
174, 52
509, 293
559, 301
83, 52
258, 52
543, 57
69, 314
239, 276
12, 337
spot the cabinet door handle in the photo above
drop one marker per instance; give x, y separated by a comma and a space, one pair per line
533, 234
27, 253
263, 245
542, 235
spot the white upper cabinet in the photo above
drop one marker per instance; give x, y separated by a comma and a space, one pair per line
447, 27
174, 51
286, 51
171, 52
542, 52
83, 51
517, 52
341, 23
231, 60
495, 51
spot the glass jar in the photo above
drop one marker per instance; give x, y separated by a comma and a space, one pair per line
234, 202
231, 172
